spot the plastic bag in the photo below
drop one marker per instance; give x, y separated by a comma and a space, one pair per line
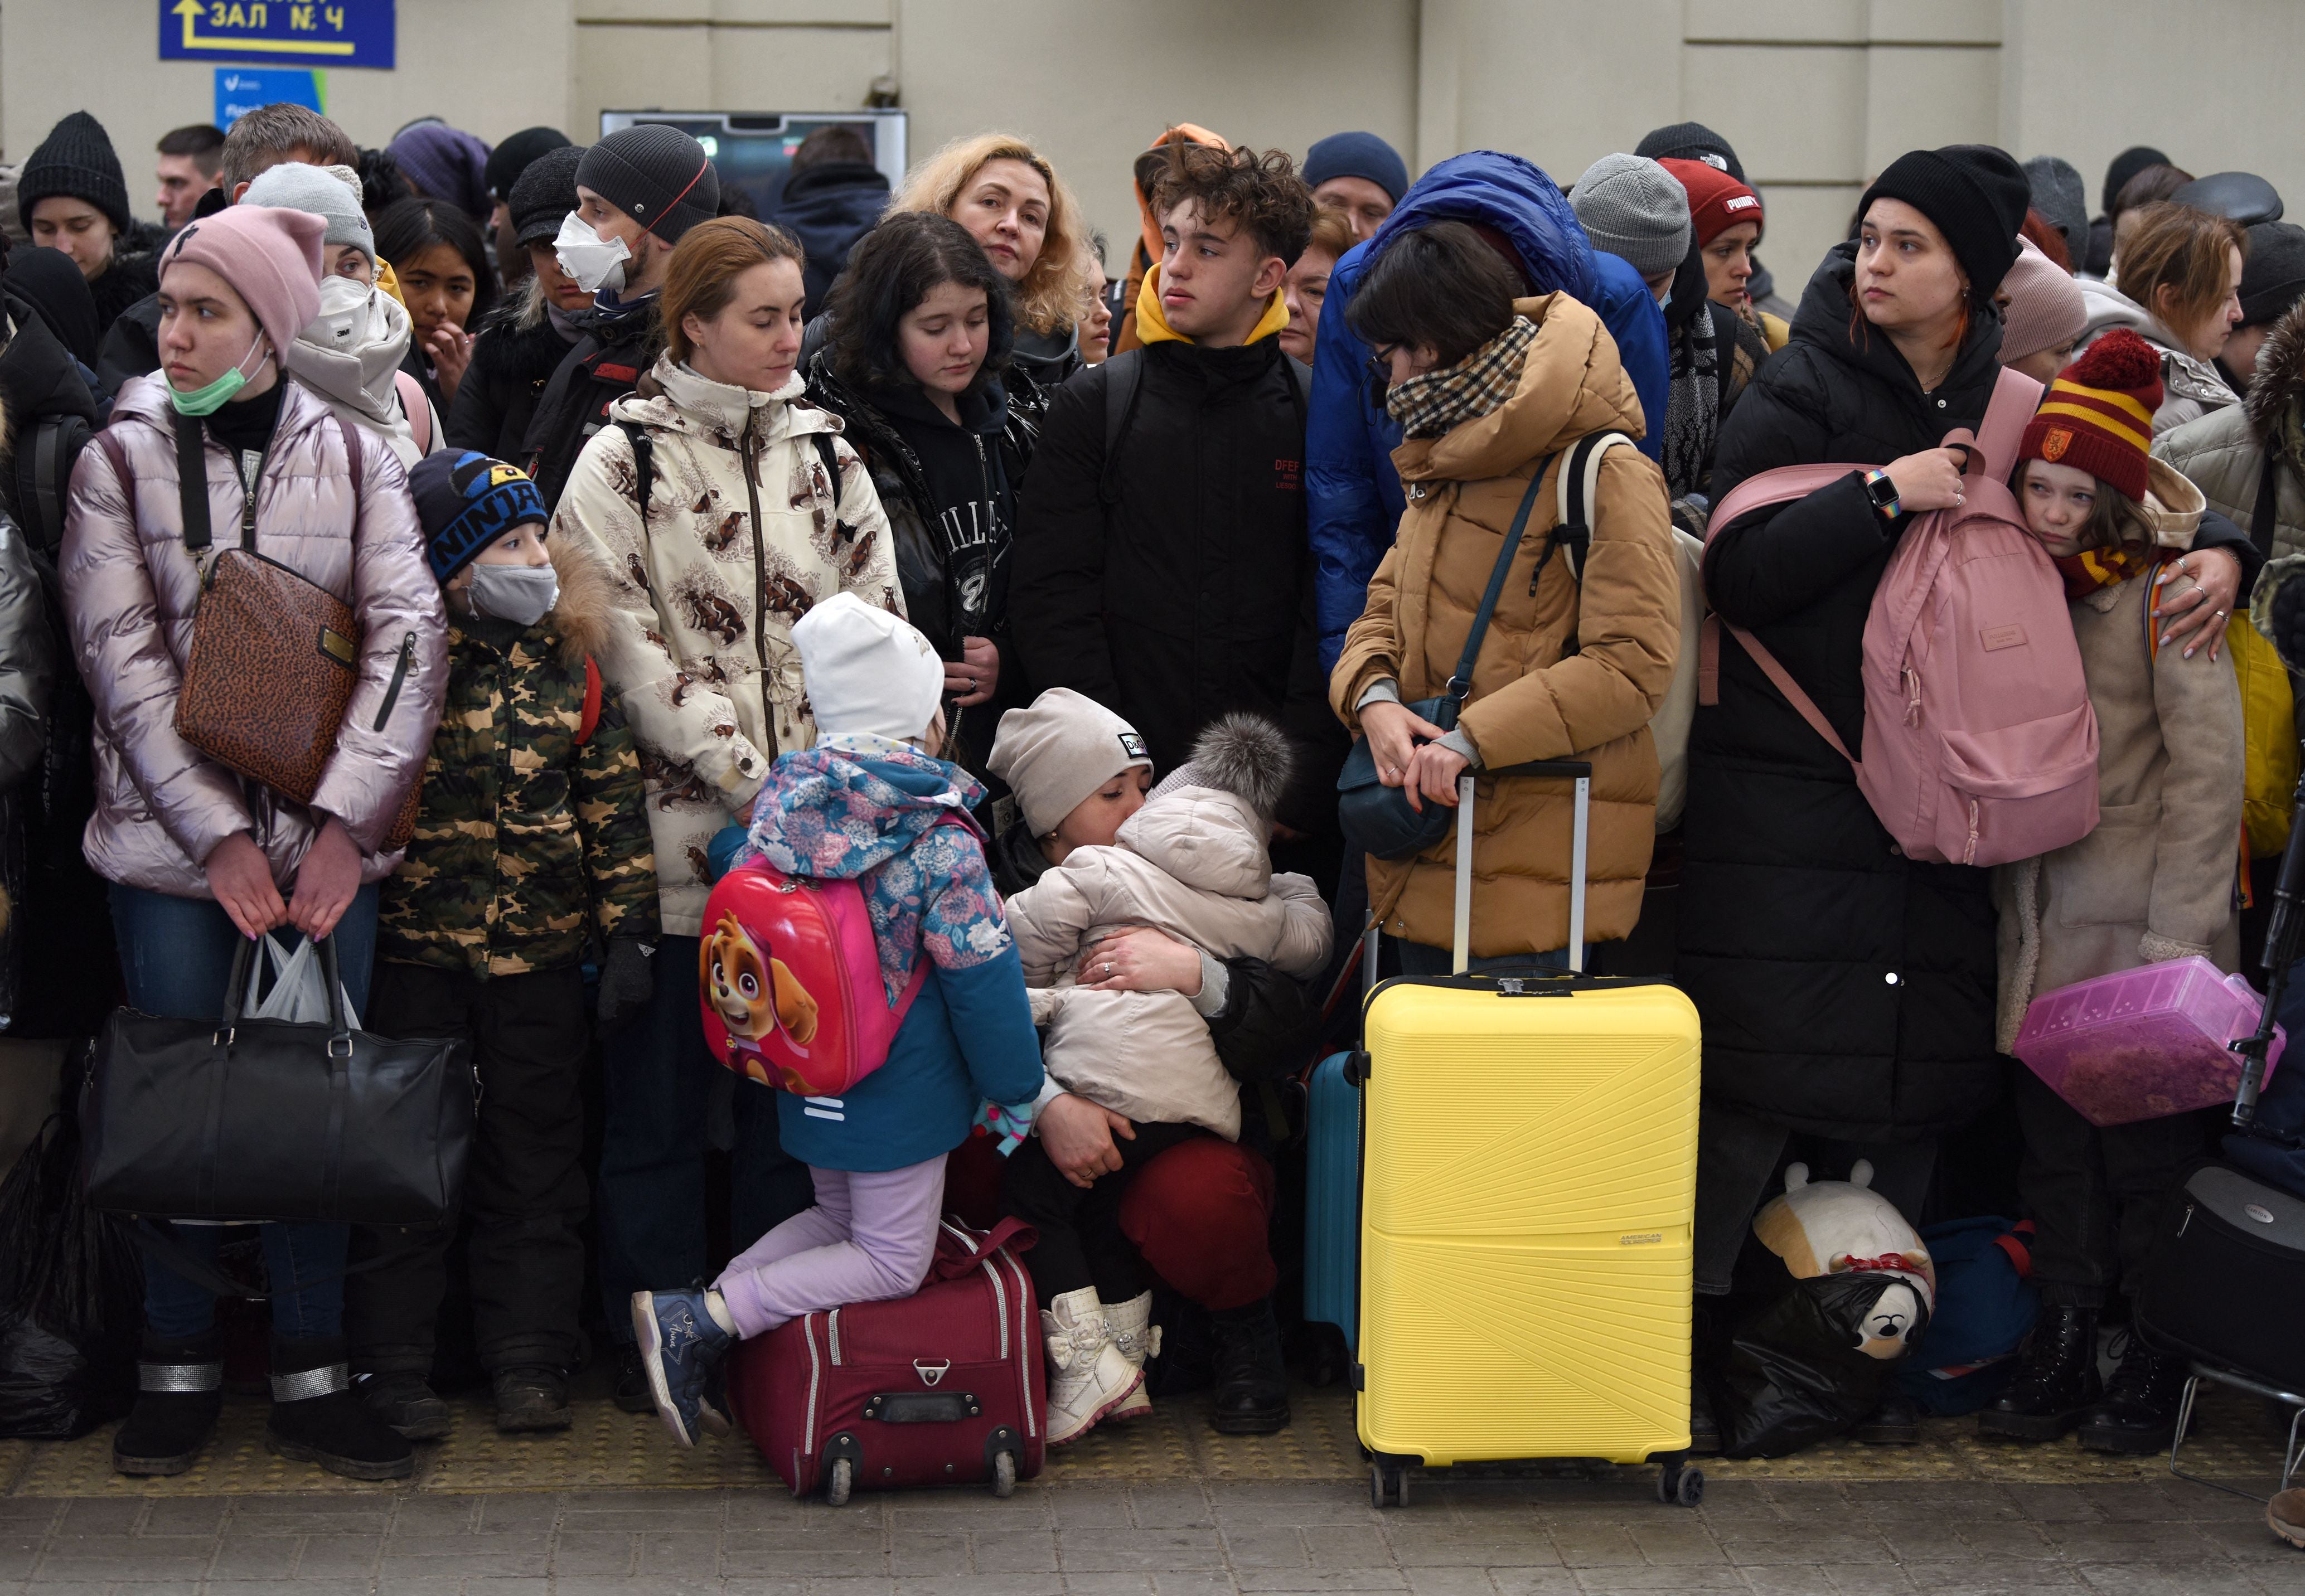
299, 987
71, 1298
1794, 1375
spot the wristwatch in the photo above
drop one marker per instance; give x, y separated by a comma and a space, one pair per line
1882, 491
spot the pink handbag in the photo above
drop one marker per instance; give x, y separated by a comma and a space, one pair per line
2144, 1043
1980, 745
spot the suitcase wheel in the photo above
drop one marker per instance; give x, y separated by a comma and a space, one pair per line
1388, 1482
839, 1479
1676, 1483
1004, 1474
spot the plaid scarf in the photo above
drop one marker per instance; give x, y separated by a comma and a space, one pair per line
1438, 402
2093, 568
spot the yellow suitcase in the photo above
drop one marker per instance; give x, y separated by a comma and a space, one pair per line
1527, 1201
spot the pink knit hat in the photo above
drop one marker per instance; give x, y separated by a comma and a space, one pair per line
2045, 308
270, 258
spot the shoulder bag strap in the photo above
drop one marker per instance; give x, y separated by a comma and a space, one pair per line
2269, 502
1461, 682
192, 481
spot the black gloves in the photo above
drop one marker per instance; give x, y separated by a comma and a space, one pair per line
627, 980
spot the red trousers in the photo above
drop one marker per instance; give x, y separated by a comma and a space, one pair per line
1200, 1214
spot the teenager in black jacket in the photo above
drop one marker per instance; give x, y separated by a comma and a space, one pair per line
1161, 560
1846, 991
532, 332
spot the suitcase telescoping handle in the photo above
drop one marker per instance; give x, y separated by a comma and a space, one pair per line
1580, 771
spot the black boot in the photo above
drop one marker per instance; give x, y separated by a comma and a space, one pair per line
179, 1390
531, 1399
315, 1418
1252, 1394
2056, 1381
2139, 1410
405, 1405
633, 1393
1895, 1421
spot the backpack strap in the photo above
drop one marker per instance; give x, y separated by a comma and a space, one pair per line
1579, 488
1775, 671
643, 464
2015, 398
831, 456
354, 467
1124, 377
418, 408
590, 720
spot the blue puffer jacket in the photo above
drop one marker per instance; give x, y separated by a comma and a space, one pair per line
1355, 495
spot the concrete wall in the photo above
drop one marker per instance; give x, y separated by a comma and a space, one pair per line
1817, 95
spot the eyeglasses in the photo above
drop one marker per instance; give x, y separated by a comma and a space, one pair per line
1379, 374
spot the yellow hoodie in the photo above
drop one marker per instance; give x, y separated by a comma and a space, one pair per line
1153, 327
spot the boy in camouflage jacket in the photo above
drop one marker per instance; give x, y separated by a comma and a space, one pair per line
531, 848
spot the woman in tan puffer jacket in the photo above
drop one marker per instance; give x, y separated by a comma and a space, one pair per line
1490, 389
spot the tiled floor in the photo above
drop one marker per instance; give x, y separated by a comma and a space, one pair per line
1496, 1539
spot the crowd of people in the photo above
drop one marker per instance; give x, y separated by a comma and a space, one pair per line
913, 537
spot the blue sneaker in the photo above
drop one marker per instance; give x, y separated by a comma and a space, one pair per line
681, 1348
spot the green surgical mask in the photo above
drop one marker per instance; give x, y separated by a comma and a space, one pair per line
212, 398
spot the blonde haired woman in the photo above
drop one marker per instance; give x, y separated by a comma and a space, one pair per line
1030, 227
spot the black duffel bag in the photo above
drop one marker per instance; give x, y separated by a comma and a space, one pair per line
263, 1119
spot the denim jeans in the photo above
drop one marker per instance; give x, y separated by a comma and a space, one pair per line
658, 1082
175, 956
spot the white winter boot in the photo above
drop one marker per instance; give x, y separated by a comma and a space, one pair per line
1135, 1338
1088, 1377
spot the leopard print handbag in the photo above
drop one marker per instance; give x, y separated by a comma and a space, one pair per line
275, 656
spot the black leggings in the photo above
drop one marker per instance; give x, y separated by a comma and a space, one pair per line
1081, 1240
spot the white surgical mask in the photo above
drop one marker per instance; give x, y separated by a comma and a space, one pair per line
592, 261
521, 594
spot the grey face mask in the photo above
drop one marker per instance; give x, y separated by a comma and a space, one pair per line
521, 594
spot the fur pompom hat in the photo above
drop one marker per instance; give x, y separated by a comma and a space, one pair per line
1241, 754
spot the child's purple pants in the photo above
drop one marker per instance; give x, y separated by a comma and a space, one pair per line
869, 1237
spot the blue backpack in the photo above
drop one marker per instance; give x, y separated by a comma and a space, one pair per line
1984, 1309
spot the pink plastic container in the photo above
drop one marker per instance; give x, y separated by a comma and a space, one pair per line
2143, 1043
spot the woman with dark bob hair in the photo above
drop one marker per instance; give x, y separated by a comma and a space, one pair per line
922, 327
442, 269
1492, 389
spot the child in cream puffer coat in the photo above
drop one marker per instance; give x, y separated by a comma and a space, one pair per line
1193, 863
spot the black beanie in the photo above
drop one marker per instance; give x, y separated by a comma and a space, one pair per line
1691, 141
2127, 164
74, 160
1975, 193
2273, 276
512, 158
545, 195
656, 174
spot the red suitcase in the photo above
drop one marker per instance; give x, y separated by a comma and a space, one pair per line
940, 1388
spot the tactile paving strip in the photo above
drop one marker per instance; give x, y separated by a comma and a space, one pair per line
608, 1449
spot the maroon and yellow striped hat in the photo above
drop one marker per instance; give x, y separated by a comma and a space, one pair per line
2098, 416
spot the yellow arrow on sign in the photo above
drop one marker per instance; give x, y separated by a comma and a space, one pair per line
191, 10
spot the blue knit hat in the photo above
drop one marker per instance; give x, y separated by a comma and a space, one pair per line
1356, 154
465, 501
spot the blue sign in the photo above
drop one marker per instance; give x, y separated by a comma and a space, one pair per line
240, 89
278, 32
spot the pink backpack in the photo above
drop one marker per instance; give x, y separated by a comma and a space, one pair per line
1980, 745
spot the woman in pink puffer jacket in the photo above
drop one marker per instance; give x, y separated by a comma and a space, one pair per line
199, 857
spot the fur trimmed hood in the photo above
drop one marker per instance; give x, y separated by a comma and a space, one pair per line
581, 616
2280, 378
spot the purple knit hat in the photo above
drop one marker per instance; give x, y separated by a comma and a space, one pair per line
446, 163
271, 258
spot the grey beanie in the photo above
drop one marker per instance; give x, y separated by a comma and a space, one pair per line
1634, 209
656, 174
2061, 198
332, 193
1057, 751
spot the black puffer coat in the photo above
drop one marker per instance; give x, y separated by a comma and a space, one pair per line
513, 360
1844, 989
